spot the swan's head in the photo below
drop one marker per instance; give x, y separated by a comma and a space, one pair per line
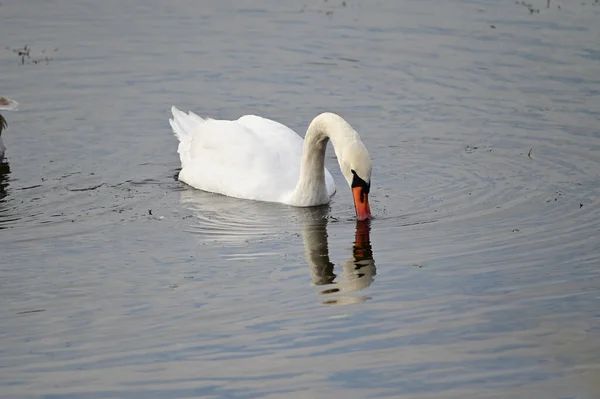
356, 167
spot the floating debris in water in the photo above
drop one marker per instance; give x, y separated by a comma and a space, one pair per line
26, 57
87, 188
558, 193
23, 52
32, 311
471, 148
529, 7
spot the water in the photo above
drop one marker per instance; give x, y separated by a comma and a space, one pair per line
478, 277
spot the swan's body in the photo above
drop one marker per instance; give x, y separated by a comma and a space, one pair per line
260, 159
10, 105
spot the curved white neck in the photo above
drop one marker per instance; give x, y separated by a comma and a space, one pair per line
311, 189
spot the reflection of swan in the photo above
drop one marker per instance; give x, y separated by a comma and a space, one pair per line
238, 224
358, 272
260, 159
5, 104
231, 221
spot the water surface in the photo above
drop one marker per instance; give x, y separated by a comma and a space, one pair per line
478, 277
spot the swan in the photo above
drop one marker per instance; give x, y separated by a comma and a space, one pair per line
260, 159
9, 105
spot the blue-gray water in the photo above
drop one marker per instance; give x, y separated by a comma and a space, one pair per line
478, 277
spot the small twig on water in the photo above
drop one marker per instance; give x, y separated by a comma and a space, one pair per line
529, 153
23, 52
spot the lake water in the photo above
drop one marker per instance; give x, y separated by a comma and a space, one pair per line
478, 277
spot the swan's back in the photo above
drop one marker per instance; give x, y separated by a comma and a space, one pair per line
252, 157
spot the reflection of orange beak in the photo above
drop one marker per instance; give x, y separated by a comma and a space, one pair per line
361, 204
361, 237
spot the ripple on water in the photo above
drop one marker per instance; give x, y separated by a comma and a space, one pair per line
72, 203
503, 173
227, 220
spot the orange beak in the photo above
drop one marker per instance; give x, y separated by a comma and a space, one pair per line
361, 204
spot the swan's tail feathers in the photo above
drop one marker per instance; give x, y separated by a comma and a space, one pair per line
183, 126
182, 123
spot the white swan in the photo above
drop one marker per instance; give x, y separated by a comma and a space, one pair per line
260, 159
10, 105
